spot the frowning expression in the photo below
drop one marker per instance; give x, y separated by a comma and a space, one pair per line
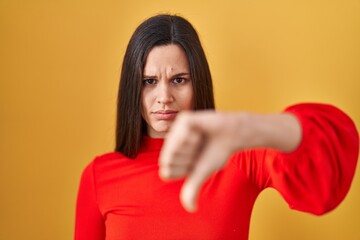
166, 88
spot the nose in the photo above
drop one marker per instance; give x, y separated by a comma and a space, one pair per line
164, 95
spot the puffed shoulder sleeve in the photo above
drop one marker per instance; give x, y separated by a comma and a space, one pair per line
89, 222
316, 176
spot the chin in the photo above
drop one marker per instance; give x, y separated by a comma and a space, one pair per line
161, 129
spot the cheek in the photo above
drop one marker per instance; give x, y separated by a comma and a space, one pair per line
145, 103
143, 106
188, 99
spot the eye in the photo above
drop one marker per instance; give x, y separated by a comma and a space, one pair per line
149, 81
179, 80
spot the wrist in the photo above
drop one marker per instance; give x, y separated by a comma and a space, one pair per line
278, 131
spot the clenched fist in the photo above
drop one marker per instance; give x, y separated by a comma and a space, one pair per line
200, 143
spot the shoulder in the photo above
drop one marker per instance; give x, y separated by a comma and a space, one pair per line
103, 161
109, 157
104, 167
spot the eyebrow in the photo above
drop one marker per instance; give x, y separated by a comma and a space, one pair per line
174, 76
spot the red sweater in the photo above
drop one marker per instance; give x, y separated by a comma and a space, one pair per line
121, 198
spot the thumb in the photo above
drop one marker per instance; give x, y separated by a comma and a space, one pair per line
192, 185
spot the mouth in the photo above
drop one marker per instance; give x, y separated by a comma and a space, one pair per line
165, 114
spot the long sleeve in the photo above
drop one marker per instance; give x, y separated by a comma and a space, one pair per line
316, 177
89, 223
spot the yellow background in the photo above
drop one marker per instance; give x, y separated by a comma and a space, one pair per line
59, 69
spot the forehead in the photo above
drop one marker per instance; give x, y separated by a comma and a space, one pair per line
166, 58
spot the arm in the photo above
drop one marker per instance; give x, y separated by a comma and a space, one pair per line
207, 139
89, 223
316, 176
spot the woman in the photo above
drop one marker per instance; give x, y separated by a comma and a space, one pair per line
219, 163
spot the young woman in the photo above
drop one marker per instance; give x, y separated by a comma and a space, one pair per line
218, 162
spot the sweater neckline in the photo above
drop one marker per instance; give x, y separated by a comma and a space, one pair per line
151, 144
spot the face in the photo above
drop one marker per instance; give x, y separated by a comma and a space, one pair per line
166, 88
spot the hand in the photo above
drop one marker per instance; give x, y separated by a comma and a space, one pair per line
198, 144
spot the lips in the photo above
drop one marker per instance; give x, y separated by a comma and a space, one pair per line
165, 114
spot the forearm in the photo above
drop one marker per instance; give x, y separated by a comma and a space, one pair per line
200, 143
278, 131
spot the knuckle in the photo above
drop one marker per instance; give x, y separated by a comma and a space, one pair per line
165, 173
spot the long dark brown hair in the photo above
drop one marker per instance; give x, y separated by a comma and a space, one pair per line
156, 31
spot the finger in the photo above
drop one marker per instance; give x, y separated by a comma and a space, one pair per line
192, 186
208, 162
211, 159
175, 173
177, 147
173, 144
184, 140
171, 169
180, 151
